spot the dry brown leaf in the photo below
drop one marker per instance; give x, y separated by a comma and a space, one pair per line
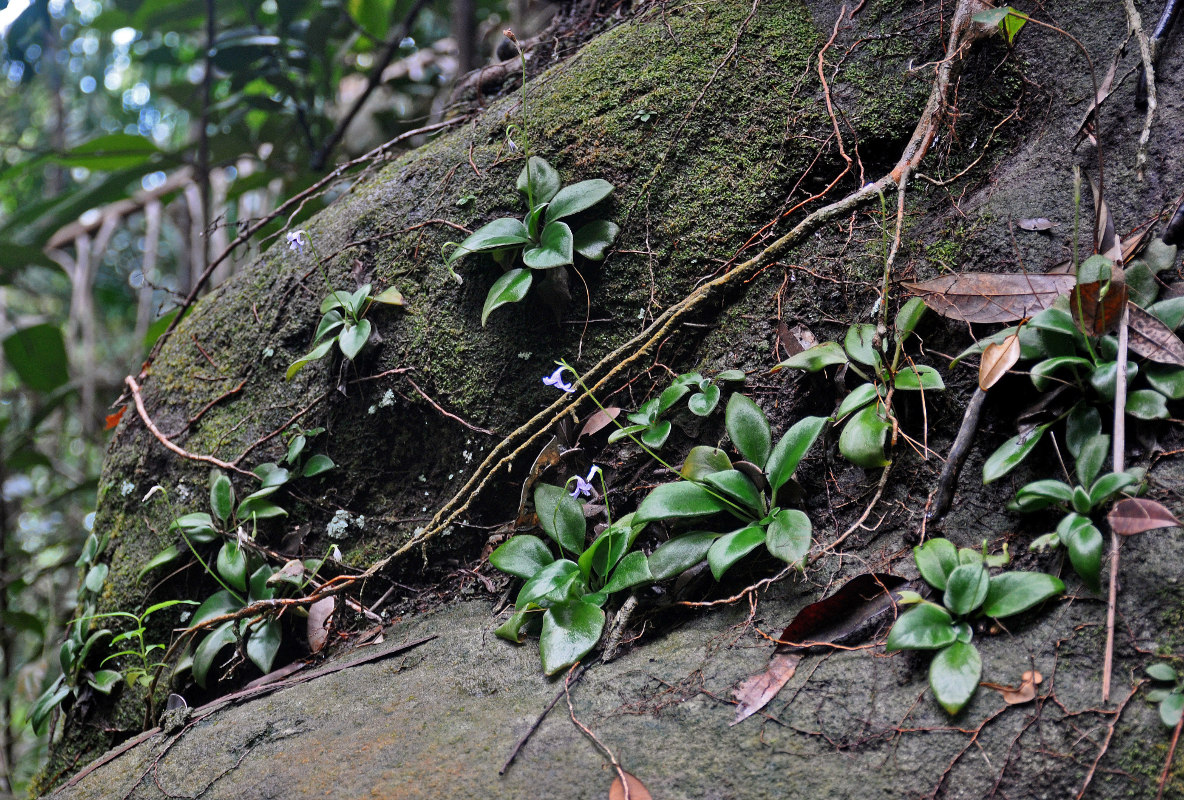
1037, 224
1152, 339
1105, 234
637, 790
598, 421
997, 359
1015, 695
320, 614
991, 297
795, 340
1098, 305
756, 691
1138, 514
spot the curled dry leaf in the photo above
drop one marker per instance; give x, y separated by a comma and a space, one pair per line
113, 419
1152, 339
291, 572
637, 790
991, 297
598, 421
1138, 514
320, 614
1037, 224
1015, 695
797, 339
997, 359
757, 690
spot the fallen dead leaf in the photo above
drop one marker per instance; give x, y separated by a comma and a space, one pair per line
637, 790
991, 297
1015, 695
598, 421
113, 419
1036, 224
1152, 339
997, 360
320, 614
757, 690
1098, 305
1138, 514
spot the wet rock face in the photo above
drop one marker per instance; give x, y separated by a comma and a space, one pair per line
732, 141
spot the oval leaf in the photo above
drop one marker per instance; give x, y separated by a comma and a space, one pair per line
1011, 453
541, 178
593, 240
1136, 515
501, 233
207, 651
923, 627
863, 438
554, 249
570, 631
790, 450
509, 288
954, 674
789, 535
522, 556
561, 516
936, 559
732, 547
679, 500
577, 197
966, 588
678, 555
264, 642
816, 357
1013, 592
749, 429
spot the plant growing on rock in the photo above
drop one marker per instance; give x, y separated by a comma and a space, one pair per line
968, 590
647, 423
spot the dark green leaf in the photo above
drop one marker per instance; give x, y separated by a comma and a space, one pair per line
678, 500
544, 181
923, 627
704, 402
678, 555
207, 651
232, 565
593, 240
919, 377
110, 152
966, 588
936, 559
1104, 378
259, 508
856, 399
789, 535
1091, 457
1011, 453
632, 570
864, 437
1013, 592
316, 465
554, 583
1109, 485
217, 604
561, 516
295, 448
317, 352
1170, 312
816, 357
522, 556
954, 674
1167, 380
330, 323
1042, 494
790, 450
105, 680
263, 643
736, 486
671, 395
908, 317
570, 631
501, 233
511, 629
1084, 542
221, 496
38, 356
555, 248
731, 547
46, 703
577, 197
1147, 404
1082, 424
749, 429
657, 435
509, 288
165, 556
860, 344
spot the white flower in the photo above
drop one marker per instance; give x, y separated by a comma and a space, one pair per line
584, 485
296, 240
556, 379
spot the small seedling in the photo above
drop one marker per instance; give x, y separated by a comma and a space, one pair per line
646, 421
1170, 698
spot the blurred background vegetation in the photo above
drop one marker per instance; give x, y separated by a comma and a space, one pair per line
138, 138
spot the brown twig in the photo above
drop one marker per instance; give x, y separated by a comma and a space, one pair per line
1089, 776
160, 437
571, 709
751, 590
1136, 26
1118, 465
450, 416
281, 428
1167, 764
943, 495
539, 720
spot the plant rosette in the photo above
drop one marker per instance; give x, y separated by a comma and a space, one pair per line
968, 590
653, 431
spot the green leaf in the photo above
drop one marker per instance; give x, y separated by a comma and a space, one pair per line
232, 565
603, 554
593, 240
860, 344
856, 399
633, 569
657, 435
198, 526
1104, 376
702, 461
671, 395
1091, 457
554, 583
543, 179
295, 448
509, 288
1084, 542
49, 700
991, 18
353, 338
577, 197
1011, 453
1082, 424
749, 429
789, 535
511, 629
217, 604
790, 450
1161, 672
908, 317
1170, 312
923, 627
704, 402
317, 352
570, 631
522, 556
95, 578
730, 375
1171, 709
207, 651
954, 674
316, 465
390, 296
1109, 485
38, 356
330, 322
501, 233
221, 496
1013, 592
736, 485
864, 437
1167, 380
916, 378
333, 301
263, 643
165, 556
110, 152
816, 357
104, 680
554, 249
678, 500
561, 516
1147, 404
678, 555
936, 559
624, 433
731, 547
1042, 494
259, 508
966, 588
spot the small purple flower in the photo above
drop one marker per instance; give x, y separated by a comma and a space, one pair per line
296, 240
556, 379
584, 485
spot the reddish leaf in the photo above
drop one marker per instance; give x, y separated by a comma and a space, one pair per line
991, 297
997, 360
1136, 515
320, 614
599, 421
756, 692
113, 419
795, 340
843, 615
637, 790
1098, 305
1152, 339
